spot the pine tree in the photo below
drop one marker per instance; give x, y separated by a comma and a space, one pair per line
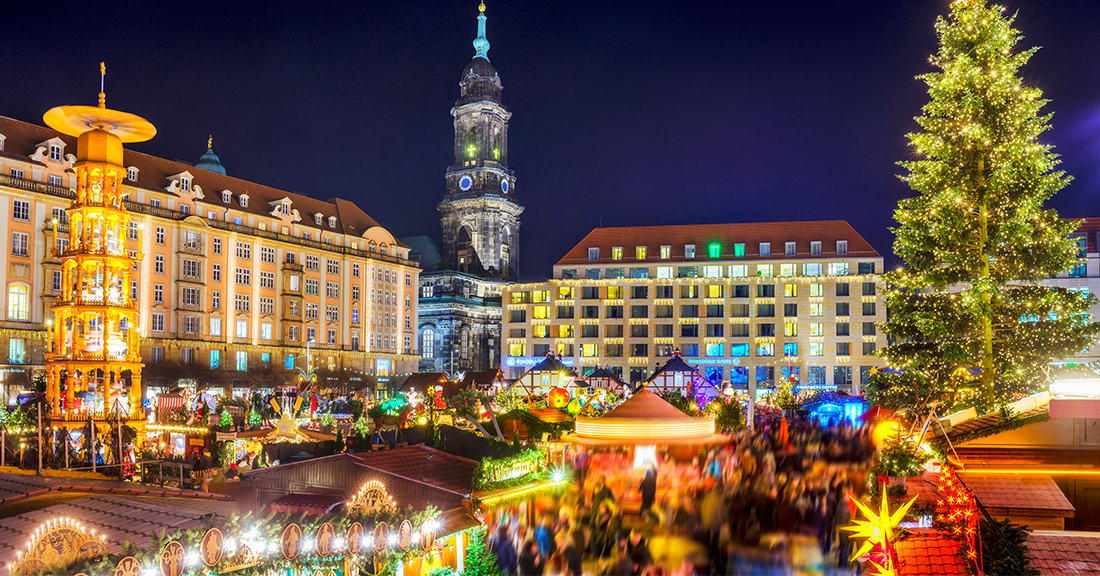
479, 559
967, 313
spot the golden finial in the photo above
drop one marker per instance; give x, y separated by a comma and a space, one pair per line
482, 7
102, 94
210, 142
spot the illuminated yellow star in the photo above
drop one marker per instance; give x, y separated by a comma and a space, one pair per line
878, 529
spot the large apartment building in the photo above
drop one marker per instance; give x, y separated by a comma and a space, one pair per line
233, 273
1084, 277
744, 303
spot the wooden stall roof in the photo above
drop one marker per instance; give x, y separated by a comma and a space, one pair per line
929, 553
1022, 492
121, 518
1061, 553
426, 465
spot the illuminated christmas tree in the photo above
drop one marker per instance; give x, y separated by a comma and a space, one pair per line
967, 315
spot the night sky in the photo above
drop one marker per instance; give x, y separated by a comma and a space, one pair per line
635, 112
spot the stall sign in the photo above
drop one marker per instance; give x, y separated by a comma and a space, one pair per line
514, 470
225, 436
196, 442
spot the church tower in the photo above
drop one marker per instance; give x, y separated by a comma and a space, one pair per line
480, 218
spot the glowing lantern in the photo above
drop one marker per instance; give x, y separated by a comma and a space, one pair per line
884, 431
558, 397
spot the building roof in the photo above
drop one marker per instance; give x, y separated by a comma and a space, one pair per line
121, 519
422, 381
153, 172
1061, 553
424, 249
210, 161
1090, 227
1001, 490
974, 425
726, 235
481, 378
602, 373
929, 553
425, 465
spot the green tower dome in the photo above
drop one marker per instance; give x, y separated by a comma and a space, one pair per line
209, 160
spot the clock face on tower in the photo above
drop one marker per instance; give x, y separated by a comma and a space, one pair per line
504, 186
465, 183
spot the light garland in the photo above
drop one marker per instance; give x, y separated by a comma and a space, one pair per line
961, 513
521, 491
177, 429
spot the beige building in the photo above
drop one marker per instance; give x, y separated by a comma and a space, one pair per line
234, 273
744, 303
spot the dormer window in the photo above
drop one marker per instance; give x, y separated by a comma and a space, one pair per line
285, 207
841, 247
55, 152
331, 221
318, 217
227, 197
2, 141
244, 200
185, 184
131, 174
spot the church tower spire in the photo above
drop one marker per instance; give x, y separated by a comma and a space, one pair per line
481, 43
480, 218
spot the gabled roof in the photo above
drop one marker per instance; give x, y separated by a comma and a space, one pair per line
421, 381
929, 553
551, 364
482, 378
1061, 553
1006, 491
602, 373
424, 465
726, 235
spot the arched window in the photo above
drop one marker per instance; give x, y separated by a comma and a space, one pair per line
466, 343
19, 301
427, 342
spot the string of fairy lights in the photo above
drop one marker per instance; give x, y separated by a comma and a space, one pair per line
976, 238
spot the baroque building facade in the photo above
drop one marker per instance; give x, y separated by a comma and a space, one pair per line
233, 273
460, 313
747, 304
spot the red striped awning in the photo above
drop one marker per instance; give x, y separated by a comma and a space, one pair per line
169, 402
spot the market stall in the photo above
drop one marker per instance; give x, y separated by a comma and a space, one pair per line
643, 433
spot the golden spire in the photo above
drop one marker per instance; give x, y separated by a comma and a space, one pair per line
102, 94
210, 142
482, 6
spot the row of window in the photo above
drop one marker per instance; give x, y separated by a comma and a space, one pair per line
816, 309
686, 330
723, 271
814, 289
716, 350
714, 250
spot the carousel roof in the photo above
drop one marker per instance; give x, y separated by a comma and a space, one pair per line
645, 419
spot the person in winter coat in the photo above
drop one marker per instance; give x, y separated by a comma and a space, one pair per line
648, 490
501, 547
530, 563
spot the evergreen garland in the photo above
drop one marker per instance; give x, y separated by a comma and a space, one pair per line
999, 558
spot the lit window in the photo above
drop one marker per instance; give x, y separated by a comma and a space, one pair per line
714, 250
689, 251
617, 253
242, 328
215, 326
242, 361
19, 301
639, 252
765, 249
666, 252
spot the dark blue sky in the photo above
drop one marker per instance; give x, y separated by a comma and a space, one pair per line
639, 112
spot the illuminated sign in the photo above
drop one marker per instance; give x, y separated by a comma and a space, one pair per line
529, 361
712, 361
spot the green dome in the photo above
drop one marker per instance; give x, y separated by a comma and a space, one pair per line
210, 160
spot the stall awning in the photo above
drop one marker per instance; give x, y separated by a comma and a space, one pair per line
167, 402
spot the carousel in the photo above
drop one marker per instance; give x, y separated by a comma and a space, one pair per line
643, 434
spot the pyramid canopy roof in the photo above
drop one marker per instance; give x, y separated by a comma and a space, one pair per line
646, 405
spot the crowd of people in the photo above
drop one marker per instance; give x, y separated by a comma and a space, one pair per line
773, 495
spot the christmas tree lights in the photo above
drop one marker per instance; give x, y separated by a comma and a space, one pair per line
971, 324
